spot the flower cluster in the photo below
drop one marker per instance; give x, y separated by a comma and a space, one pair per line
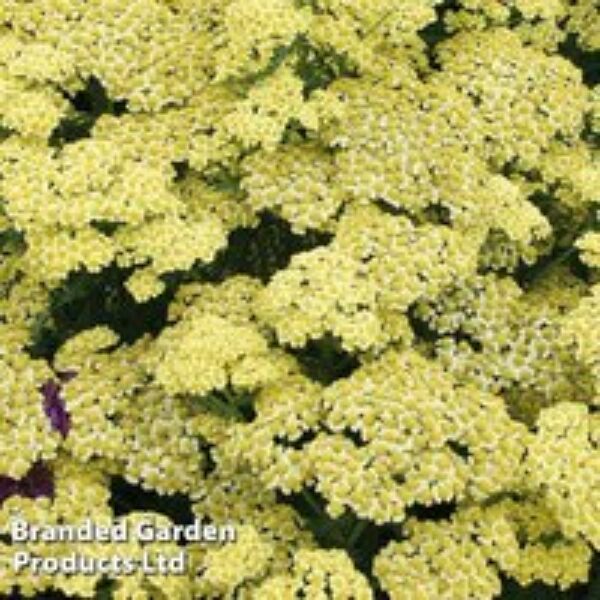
324, 269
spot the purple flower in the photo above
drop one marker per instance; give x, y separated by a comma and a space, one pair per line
38, 482
54, 407
8, 488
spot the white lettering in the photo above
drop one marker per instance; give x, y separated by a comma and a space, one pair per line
145, 531
19, 530
21, 560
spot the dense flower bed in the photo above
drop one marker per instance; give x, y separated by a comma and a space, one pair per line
326, 270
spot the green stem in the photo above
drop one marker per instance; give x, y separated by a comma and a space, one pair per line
357, 531
226, 408
561, 258
589, 224
312, 502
